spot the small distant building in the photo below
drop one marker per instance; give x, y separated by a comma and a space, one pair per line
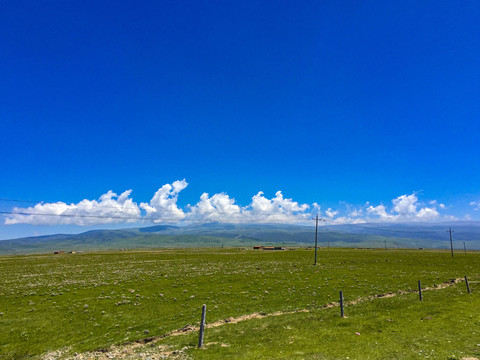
258, 247
59, 252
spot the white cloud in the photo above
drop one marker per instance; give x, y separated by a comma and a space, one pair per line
405, 209
163, 205
347, 220
219, 207
356, 213
262, 209
440, 205
427, 214
110, 208
381, 213
405, 205
449, 218
475, 204
330, 213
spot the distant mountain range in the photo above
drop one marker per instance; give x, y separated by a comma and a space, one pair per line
411, 235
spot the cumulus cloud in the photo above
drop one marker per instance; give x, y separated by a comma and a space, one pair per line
427, 214
405, 209
475, 204
220, 207
381, 212
405, 205
216, 208
163, 205
356, 213
331, 213
278, 208
109, 208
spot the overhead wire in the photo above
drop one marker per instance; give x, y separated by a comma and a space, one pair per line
76, 205
167, 211
146, 218
389, 230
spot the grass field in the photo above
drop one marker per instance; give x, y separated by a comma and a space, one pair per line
82, 302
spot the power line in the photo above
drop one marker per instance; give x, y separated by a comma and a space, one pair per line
99, 204
72, 215
163, 211
390, 230
20, 201
266, 220
121, 209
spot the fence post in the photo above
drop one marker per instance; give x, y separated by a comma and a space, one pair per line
202, 326
468, 286
420, 290
341, 304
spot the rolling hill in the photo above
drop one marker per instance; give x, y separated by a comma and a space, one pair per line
433, 236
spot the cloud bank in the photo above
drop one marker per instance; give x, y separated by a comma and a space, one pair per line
109, 208
220, 207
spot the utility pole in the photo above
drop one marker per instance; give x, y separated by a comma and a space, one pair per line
316, 232
316, 237
465, 248
385, 245
451, 241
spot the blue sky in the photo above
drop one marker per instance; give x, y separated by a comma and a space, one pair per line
335, 103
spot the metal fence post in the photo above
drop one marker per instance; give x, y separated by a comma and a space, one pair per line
202, 326
420, 290
468, 286
341, 304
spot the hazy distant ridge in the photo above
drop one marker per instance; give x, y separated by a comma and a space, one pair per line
217, 235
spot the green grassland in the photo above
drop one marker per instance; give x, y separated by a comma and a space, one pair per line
446, 325
82, 302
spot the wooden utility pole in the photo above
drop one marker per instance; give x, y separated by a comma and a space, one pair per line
385, 245
451, 241
465, 248
316, 232
316, 237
